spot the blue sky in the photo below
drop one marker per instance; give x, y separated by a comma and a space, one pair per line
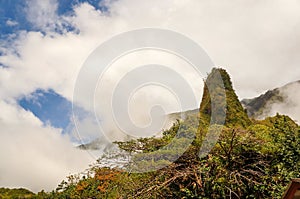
50, 107
13, 10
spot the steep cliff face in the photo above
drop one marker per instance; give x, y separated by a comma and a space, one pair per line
219, 100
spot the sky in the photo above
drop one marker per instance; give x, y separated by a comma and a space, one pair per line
44, 44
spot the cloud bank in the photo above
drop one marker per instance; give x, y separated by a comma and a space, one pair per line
32, 155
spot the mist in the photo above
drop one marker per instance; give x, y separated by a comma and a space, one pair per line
289, 106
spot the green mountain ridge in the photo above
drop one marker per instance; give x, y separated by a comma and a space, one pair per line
258, 107
261, 105
6, 193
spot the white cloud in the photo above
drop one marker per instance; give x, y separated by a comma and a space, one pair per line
289, 106
250, 39
43, 14
253, 40
10, 22
32, 155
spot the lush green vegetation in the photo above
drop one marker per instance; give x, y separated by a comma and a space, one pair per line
251, 159
6, 193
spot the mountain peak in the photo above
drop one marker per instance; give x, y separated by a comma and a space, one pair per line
220, 98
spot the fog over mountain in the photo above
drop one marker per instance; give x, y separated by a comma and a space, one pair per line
283, 100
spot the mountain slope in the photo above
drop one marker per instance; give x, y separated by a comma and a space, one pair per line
284, 100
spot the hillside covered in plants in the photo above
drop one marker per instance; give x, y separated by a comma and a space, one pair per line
249, 159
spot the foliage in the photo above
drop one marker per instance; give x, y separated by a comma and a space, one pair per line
21, 193
219, 97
